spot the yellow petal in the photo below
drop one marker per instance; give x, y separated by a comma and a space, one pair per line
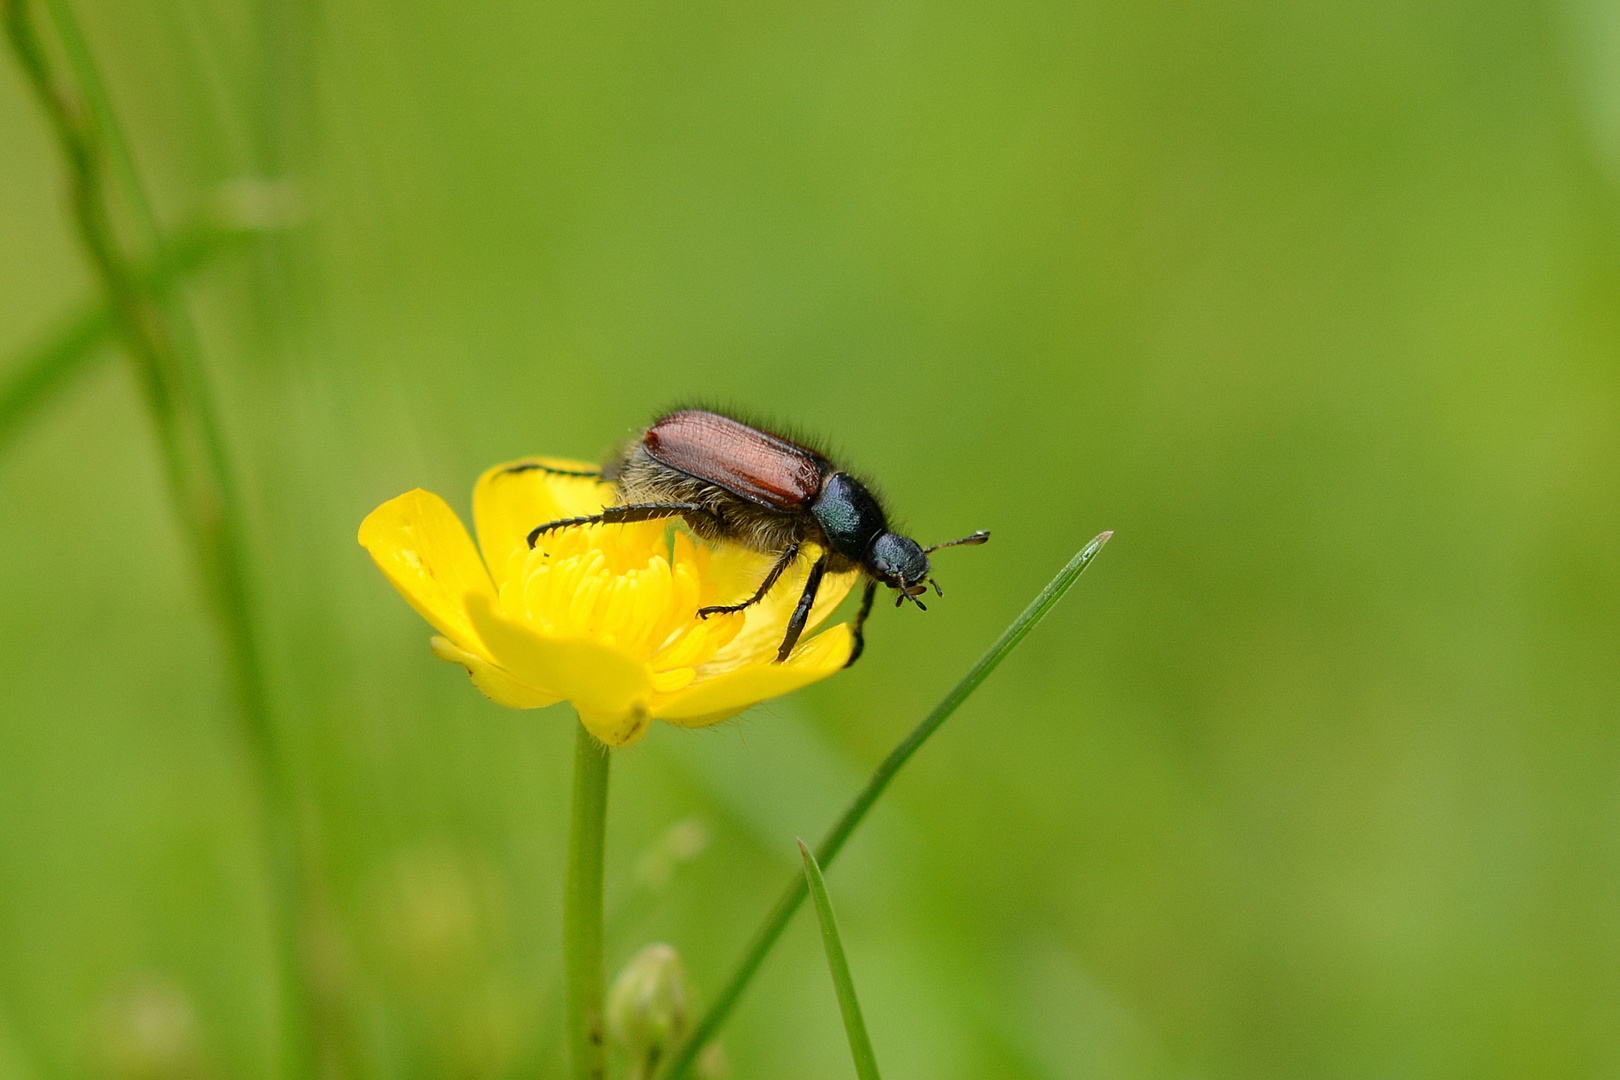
497, 685
712, 700
424, 551
508, 504
595, 677
735, 572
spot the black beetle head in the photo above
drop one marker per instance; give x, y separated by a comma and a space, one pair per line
899, 562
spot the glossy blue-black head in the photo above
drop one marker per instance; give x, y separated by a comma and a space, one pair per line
899, 561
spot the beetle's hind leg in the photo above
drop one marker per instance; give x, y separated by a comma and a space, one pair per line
535, 466
859, 627
781, 566
619, 515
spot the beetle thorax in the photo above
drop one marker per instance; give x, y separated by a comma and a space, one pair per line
849, 516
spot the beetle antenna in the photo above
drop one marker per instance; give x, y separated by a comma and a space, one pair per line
972, 541
939, 592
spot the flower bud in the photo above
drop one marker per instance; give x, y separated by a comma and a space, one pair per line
712, 1063
649, 1008
680, 844
149, 1031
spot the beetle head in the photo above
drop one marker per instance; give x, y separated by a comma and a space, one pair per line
899, 563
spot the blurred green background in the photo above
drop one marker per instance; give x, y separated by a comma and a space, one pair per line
1317, 773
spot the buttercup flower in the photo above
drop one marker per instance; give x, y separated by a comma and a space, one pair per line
603, 616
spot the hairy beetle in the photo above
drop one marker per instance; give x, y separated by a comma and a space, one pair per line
733, 482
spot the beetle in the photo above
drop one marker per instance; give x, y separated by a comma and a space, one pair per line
731, 481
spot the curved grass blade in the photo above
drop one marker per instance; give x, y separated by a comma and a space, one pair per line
76, 51
860, 1046
765, 937
47, 369
160, 340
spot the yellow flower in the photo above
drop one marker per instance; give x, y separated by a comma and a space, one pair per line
604, 616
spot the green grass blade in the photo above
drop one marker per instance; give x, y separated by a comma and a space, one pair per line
765, 937
155, 336
77, 53
158, 337
47, 369
860, 1046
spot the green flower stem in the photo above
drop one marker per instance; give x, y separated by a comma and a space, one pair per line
860, 1046
582, 909
157, 338
766, 936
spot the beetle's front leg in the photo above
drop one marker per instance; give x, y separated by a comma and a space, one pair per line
801, 614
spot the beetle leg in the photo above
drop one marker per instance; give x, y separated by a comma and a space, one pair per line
618, 515
764, 587
801, 614
532, 466
859, 628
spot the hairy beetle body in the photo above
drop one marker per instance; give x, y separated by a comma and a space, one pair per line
733, 482
751, 485
750, 463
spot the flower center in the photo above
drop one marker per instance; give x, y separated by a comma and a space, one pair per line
635, 587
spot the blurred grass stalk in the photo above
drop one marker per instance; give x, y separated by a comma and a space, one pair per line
48, 368
860, 1044
770, 931
158, 338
